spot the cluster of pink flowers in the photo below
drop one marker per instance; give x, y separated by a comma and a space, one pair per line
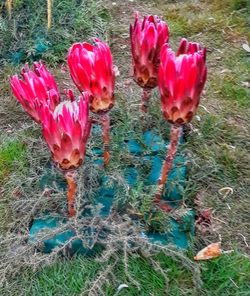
66, 124
180, 77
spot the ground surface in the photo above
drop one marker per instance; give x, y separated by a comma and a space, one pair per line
218, 148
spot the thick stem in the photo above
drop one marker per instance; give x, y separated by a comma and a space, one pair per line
168, 162
71, 192
106, 138
146, 95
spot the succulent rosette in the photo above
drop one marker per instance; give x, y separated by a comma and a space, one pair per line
66, 131
181, 80
147, 37
36, 87
91, 68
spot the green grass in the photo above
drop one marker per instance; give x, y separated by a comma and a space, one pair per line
12, 157
208, 19
230, 5
234, 92
222, 146
13, 160
227, 275
230, 84
63, 278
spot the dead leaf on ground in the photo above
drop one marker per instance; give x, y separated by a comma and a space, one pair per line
211, 251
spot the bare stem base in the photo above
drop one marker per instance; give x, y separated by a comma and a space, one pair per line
167, 165
146, 95
106, 138
71, 192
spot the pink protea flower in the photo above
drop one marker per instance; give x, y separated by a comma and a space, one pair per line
37, 87
181, 81
66, 131
147, 38
91, 68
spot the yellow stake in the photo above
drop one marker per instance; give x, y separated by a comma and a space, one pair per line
49, 12
8, 5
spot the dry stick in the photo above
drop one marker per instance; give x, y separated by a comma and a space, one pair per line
167, 165
71, 191
106, 138
146, 95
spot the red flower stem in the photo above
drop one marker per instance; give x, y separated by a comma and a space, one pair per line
71, 192
168, 162
146, 95
106, 138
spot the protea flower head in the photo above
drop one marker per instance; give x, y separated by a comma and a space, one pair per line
37, 87
66, 131
147, 38
91, 68
181, 80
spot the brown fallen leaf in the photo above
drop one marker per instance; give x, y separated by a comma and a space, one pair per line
211, 251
